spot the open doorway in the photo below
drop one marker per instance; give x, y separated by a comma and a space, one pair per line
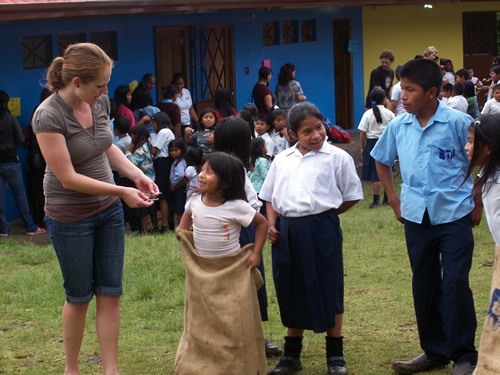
343, 73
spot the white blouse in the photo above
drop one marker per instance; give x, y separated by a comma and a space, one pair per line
184, 102
491, 202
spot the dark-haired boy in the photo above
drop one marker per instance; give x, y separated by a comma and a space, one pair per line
461, 75
492, 106
446, 92
438, 211
121, 126
457, 100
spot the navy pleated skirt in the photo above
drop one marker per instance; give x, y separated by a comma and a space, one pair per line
308, 271
369, 171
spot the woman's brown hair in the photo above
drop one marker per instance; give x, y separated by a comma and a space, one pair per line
83, 60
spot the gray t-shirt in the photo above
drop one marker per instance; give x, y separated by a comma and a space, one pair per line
86, 149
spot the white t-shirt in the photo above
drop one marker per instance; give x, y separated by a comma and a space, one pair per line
269, 143
449, 77
491, 202
490, 90
216, 230
492, 106
396, 93
184, 102
299, 185
192, 183
161, 141
458, 102
369, 124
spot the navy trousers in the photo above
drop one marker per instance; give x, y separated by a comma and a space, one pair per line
441, 258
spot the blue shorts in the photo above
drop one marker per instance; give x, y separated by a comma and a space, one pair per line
91, 254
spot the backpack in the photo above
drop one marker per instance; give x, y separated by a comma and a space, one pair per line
335, 133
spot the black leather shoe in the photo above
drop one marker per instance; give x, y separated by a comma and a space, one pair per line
287, 366
336, 366
272, 350
418, 364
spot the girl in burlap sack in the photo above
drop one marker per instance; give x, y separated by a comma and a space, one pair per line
483, 148
222, 326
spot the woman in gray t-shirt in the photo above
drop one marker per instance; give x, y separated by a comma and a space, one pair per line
84, 214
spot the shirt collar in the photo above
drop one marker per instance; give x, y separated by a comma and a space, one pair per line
440, 116
326, 149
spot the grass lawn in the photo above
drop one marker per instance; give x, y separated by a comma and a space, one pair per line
379, 323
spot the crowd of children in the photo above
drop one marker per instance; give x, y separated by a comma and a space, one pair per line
200, 185
240, 175
176, 160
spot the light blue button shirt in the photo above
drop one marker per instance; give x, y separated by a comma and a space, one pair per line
433, 164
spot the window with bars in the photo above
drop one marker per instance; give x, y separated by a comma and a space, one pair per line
37, 51
270, 33
308, 29
480, 33
107, 40
290, 31
64, 40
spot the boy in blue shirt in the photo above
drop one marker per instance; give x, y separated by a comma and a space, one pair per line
438, 211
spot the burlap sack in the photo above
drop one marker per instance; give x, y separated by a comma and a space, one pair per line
489, 346
222, 326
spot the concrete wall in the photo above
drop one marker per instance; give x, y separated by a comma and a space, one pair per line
407, 30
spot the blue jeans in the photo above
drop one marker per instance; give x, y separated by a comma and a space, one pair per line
11, 173
91, 254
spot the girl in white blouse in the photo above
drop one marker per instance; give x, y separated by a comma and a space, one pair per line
483, 148
305, 190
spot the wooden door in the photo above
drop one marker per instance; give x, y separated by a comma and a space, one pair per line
343, 73
171, 46
213, 63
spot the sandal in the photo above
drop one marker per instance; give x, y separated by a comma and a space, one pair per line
37, 232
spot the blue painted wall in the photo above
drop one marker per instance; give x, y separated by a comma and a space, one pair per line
136, 55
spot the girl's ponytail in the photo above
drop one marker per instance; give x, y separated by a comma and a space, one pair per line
377, 96
376, 112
